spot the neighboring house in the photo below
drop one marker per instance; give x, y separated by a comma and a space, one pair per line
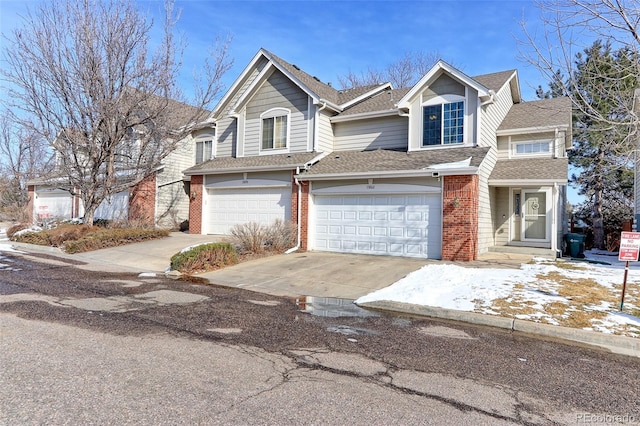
162, 198
450, 168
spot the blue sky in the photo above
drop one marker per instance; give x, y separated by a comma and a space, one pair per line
329, 38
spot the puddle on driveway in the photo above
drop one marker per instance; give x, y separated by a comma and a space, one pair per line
332, 307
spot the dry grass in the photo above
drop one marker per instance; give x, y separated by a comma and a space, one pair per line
581, 318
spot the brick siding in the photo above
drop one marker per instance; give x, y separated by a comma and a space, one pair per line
142, 201
460, 218
195, 204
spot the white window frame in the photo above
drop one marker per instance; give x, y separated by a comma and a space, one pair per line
513, 151
202, 140
442, 100
274, 113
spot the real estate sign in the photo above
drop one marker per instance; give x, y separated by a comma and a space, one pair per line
629, 246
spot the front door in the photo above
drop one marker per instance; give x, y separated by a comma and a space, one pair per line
536, 215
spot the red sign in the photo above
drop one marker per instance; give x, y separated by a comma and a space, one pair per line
629, 246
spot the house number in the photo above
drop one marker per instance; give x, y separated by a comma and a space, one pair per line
245, 181
371, 187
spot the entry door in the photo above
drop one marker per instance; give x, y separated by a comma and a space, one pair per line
536, 215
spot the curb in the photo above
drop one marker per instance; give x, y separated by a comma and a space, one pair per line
616, 344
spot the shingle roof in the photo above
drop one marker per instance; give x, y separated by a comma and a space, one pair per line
494, 81
542, 113
387, 160
225, 164
549, 169
384, 101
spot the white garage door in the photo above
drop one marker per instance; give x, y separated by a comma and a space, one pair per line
55, 205
115, 207
227, 207
396, 225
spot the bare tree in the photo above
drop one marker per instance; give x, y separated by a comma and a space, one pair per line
87, 78
569, 27
23, 157
404, 72
600, 78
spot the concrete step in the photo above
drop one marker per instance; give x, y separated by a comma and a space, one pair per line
533, 251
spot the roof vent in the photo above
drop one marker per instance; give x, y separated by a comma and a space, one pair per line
296, 67
316, 78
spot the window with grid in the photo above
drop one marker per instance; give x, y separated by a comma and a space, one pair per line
443, 124
274, 132
532, 148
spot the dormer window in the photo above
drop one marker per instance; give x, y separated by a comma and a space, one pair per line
275, 129
443, 123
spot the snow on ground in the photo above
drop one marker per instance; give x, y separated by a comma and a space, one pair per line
544, 291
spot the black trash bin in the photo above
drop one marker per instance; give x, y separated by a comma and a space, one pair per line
575, 245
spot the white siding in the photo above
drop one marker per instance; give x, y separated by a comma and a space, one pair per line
277, 92
500, 198
492, 116
173, 205
383, 133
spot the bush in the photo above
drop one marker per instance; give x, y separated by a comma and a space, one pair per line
104, 238
15, 228
255, 238
205, 257
81, 238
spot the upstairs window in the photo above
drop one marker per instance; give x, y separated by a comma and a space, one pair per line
531, 148
275, 129
443, 124
204, 150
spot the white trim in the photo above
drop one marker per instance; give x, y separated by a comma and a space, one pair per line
537, 129
275, 113
389, 174
444, 100
433, 72
548, 214
374, 188
240, 169
526, 182
370, 93
514, 144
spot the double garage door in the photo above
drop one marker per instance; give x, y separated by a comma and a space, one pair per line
395, 224
228, 207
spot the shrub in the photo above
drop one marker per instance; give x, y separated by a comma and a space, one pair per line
15, 228
249, 237
205, 257
281, 235
104, 238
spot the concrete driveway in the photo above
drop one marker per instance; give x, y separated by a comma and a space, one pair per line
319, 274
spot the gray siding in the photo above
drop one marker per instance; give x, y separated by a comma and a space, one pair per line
173, 205
325, 133
443, 85
383, 133
492, 115
277, 92
486, 204
500, 197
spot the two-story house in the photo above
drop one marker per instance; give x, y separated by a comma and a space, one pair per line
450, 168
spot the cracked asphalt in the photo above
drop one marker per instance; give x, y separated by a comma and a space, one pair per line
80, 347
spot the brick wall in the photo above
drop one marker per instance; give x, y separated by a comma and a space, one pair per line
460, 218
142, 201
304, 210
195, 204
32, 196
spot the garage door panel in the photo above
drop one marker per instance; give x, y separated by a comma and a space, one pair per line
401, 225
229, 207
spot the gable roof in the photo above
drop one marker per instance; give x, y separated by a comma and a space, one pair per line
497, 80
384, 101
545, 114
439, 67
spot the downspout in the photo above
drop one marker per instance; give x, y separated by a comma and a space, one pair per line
297, 246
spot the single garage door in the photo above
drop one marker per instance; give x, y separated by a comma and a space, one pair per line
395, 225
228, 207
55, 205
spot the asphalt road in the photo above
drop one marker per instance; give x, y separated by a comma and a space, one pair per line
80, 347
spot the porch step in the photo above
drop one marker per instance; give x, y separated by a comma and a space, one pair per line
533, 251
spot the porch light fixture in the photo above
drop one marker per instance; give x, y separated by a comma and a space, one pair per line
194, 195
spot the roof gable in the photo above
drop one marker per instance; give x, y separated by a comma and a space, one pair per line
433, 73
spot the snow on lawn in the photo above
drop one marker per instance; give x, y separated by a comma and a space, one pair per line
573, 294
4, 261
